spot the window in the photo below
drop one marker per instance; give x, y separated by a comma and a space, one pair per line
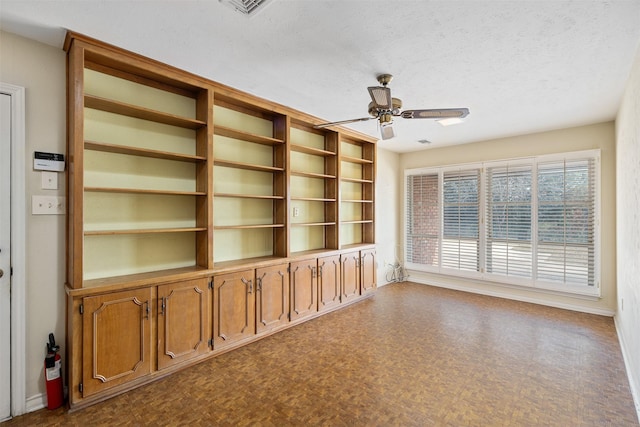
423, 221
530, 222
566, 222
460, 220
508, 224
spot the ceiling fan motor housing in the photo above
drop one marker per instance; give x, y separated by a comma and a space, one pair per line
376, 112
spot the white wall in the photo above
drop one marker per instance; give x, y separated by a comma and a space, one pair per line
595, 136
40, 69
628, 226
388, 191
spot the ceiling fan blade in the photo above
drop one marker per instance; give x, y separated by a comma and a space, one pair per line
381, 97
439, 113
342, 122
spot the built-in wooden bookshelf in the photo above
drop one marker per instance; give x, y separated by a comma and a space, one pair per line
200, 218
139, 176
314, 198
250, 178
357, 179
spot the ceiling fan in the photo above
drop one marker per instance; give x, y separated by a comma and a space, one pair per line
384, 108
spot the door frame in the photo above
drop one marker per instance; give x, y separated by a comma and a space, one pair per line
18, 248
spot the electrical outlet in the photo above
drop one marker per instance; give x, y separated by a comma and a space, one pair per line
296, 211
48, 205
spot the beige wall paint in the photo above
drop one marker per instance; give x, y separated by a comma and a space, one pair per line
628, 225
388, 197
598, 136
40, 69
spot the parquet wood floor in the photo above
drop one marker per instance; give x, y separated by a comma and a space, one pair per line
412, 355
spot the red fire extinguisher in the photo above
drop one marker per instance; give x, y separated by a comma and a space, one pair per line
53, 374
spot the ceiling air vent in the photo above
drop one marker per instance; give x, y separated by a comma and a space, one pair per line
246, 7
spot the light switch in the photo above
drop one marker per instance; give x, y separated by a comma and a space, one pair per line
49, 180
48, 205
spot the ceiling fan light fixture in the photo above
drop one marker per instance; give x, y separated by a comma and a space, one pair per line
450, 121
386, 131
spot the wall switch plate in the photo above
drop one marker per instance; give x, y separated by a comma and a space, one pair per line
48, 205
49, 180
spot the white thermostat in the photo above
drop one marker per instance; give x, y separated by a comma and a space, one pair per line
48, 161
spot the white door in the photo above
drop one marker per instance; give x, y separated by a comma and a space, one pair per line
5, 258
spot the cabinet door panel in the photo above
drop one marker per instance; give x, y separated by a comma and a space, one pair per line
328, 282
350, 275
117, 339
272, 297
368, 270
233, 308
303, 289
183, 321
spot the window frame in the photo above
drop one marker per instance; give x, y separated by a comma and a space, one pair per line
534, 282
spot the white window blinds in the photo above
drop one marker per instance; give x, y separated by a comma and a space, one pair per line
423, 220
529, 222
508, 220
460, 240
566, 222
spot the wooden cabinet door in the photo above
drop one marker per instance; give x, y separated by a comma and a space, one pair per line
272, 297
350, 264
328, 282
183, 321
116, 339
303, 289
367, 270
233, 308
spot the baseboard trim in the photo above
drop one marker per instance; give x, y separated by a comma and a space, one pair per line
635, 388
508, 295
36, 402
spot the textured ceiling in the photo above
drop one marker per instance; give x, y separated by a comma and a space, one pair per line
519, 66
